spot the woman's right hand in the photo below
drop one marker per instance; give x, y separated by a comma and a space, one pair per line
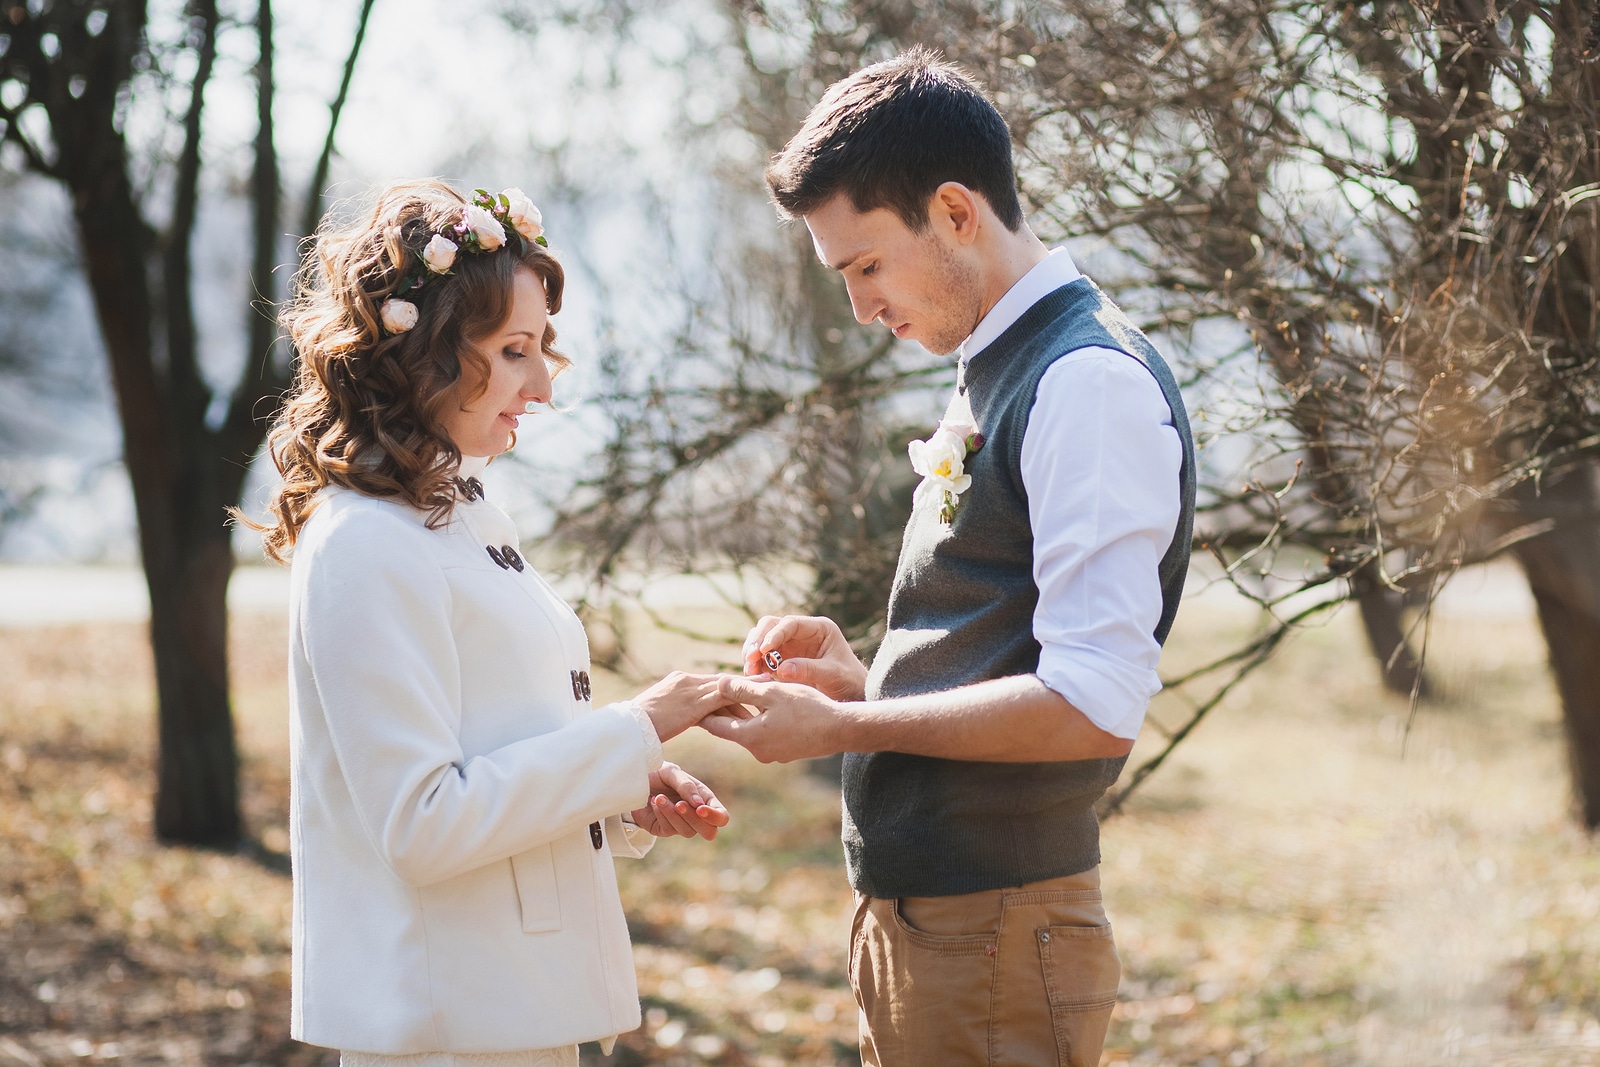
681, 700
814, 652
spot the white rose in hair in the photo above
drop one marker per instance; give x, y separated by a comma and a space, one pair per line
485, 227
440, 254
525, 217
398, 315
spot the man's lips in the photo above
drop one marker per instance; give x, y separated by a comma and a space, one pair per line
900, 330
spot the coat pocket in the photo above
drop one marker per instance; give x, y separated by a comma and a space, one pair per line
534, 872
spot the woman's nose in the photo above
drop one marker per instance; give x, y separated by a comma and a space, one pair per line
537, 387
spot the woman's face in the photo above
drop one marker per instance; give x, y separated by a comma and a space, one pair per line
483, 415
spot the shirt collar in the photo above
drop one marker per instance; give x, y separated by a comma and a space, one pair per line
1048, 275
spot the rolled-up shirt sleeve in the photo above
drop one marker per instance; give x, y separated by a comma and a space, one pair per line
1100, 462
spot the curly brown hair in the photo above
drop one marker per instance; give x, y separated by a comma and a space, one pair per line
364, 409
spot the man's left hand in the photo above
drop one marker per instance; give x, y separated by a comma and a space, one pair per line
795, 721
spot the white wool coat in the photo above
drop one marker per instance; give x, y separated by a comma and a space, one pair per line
448, 896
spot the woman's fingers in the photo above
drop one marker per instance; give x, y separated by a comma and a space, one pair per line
701, 802
668, 814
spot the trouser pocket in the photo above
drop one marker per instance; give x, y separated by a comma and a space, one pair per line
924, 996
1081, 970
1058, 972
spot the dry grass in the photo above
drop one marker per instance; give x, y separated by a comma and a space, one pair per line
1301, 886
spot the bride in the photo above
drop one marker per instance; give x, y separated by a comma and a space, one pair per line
455, 799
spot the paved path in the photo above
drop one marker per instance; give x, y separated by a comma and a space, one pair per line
40, 596
37, 595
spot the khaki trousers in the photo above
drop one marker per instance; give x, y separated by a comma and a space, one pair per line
1022, 977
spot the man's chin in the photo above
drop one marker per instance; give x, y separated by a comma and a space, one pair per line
939, 346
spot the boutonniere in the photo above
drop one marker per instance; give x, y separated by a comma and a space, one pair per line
941, 460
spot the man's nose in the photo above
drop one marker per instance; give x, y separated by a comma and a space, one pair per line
865, 304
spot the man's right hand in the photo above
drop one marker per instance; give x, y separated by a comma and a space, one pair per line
814, 653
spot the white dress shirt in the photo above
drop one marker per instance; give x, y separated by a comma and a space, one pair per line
1100, 462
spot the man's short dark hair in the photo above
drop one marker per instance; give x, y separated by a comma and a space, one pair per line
892, 133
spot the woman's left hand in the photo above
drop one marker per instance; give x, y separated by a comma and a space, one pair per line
680, 805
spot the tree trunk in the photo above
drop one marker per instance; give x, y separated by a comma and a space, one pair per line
1563, 569
1383, 619
183, 541
197, 793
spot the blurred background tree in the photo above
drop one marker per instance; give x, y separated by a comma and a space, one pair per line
68, 72
1368, 233
1365, 233
767, 429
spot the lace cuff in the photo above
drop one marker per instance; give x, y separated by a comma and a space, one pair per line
654, 757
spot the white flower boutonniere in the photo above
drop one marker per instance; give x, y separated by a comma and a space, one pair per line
941, 460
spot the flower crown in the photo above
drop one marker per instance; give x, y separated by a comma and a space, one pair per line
487, 223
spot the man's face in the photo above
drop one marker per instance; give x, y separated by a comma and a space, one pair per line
921, 286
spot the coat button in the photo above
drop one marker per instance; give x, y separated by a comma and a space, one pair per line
596, 835
494, 554
512, 557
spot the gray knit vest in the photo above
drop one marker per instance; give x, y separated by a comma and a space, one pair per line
961, 611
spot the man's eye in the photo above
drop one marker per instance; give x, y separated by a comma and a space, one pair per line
869, 270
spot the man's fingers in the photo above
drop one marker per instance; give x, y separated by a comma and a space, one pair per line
787, 631
753, 642
812, 672
724, 726
735, 690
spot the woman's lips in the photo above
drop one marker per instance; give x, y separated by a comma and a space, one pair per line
511, 420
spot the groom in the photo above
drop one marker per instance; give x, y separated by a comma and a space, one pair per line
1039, 575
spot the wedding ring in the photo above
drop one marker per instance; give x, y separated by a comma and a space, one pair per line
772, 659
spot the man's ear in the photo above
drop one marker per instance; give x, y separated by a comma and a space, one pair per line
953, 210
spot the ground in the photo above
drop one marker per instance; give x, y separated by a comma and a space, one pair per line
1308, 882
